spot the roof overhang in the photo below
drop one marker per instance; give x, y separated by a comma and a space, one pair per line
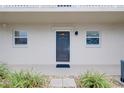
61, 17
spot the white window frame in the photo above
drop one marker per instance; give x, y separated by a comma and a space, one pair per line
93, 45
19, 45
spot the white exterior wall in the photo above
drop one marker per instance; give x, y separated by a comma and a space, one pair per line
41, 48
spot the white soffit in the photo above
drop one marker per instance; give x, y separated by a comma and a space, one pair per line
61, 13
62, 17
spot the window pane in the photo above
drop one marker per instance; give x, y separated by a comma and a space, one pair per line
92, 34
93, 41
20, 40
19, 33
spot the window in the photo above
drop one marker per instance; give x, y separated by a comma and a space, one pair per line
20, 38
92, 38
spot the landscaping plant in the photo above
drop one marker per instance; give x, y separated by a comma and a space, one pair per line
20, 79
3, 71
27, 80
94, 80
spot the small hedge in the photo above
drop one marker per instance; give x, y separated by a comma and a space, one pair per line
93, 80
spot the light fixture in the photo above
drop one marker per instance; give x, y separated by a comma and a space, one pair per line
76, 33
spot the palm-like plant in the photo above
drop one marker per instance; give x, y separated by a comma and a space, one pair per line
93, 80
27, 80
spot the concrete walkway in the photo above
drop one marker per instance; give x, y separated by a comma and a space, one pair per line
62, 83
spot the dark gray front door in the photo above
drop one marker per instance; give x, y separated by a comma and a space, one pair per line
63, 46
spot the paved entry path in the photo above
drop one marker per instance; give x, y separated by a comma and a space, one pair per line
62, 83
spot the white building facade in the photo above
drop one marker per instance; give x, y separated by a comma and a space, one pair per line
62, 39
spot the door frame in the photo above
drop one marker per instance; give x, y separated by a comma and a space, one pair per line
62, 27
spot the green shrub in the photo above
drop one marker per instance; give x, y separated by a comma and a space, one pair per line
3, 71
93, 80
26, 80
20, 79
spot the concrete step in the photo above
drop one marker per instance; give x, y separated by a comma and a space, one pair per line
62, 83
56, 83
